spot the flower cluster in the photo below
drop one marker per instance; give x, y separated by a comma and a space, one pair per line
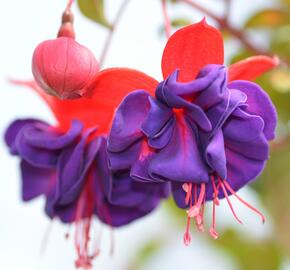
201, 134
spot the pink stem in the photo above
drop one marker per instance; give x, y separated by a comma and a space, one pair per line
166, 19
69, 4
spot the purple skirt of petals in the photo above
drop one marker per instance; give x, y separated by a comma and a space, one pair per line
71, 170
195, 132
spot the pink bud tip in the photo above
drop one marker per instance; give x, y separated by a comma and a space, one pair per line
63, 68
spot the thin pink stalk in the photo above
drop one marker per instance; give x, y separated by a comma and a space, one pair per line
167, 22
69, 4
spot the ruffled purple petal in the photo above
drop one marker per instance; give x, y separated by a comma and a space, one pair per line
47, 137
178, 194
126, 127
259, 104
214, 92
73, 167
215, 154
159, 114
180, 160
40, 144
13, 131
35, 181
125, 159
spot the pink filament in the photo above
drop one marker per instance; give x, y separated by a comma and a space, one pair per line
229, 202
216, 192
187, 235
194, 210
188, 194
227, 185
212, 229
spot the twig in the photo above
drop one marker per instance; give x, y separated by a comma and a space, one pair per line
167, 22
228, 4
69, 4
223, 23
112, 30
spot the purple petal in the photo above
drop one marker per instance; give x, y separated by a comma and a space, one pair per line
161, 139
35, 181
159, 114
124, 159
73, 167
259, 104
178, 194
180, 160
140, 170
214, 92
47, 137
215, 154
126, 127
219, 114
14, 129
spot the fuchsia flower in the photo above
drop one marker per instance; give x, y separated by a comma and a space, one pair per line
205, 130
67, 162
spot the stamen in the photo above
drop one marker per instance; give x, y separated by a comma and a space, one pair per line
187, 187
216, 191
199, 218
194, 210
244, 202
112, 238
228, 200
46, 236
187, 234
83, 221
212, 229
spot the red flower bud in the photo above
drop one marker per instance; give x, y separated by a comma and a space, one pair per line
63, 68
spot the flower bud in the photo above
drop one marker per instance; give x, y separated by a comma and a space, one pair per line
63, 68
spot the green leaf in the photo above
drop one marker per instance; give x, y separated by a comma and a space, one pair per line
176, 23
268, 18
180, 22
94, 10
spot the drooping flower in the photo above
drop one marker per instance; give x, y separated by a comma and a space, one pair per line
68, 163
205, 130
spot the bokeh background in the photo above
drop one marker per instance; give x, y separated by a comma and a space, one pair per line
154, 242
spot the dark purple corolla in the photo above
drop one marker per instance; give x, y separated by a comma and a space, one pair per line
71, 170
207, 137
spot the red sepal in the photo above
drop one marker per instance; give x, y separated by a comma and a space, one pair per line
190, 49
251, 68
